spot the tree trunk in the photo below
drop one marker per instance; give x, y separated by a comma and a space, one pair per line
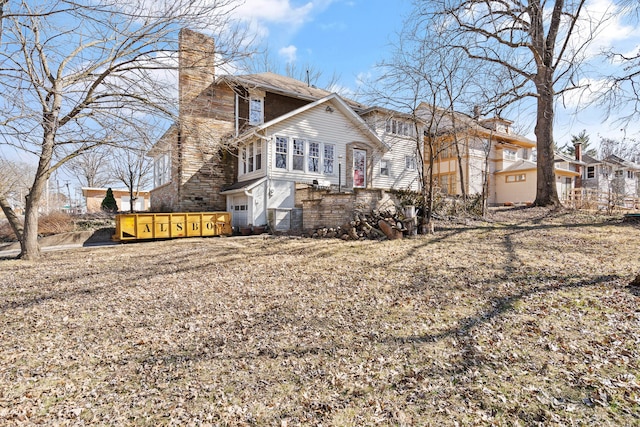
546, 191
30, 249
14, 221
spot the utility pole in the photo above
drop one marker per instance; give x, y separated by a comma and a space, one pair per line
69, 194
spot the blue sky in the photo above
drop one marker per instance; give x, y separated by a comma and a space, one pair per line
348, 37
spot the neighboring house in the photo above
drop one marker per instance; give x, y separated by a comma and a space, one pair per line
612, 180
253, 144
477, 153
94, 197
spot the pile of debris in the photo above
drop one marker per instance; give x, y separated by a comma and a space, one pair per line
373, 226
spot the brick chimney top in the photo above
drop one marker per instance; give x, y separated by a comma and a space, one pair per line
577, 149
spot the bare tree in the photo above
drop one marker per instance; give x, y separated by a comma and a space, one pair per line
541, 45
621, 94
130, 164
72, 74
91, 168
14, 185
432, 83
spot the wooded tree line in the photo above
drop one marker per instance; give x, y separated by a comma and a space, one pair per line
79, 80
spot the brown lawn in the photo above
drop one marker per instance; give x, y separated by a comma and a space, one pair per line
523, 320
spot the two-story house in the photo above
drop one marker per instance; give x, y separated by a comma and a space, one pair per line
484, 156
248, 143
612, 180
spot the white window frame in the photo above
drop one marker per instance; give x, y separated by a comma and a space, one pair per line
510, 179
399, 127
313, 157
162, 170
328, 162
591, 172
298, 155
410, 163
256, 111
384, 167
291, 148
510, 154
282, 142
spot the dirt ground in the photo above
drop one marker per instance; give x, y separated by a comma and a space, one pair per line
525, 318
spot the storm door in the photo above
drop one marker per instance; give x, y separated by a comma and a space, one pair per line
359, 168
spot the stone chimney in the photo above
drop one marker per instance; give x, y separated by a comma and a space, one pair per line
196, 66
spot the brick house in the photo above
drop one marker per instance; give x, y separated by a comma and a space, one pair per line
264, 145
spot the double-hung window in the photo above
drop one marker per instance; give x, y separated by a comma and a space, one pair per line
256, 116
250, 158
384, 167
329, 158
410, 163
313, 164
509, 154
298, 155
281, 152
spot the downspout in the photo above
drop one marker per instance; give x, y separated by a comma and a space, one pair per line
237, 111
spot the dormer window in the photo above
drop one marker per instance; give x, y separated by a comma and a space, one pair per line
256, 112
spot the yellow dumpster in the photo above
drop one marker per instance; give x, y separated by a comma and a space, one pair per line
171, 225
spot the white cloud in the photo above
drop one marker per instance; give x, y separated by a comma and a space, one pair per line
289, 53
589, 89
604, 20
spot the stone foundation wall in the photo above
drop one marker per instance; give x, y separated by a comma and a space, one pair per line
322, 208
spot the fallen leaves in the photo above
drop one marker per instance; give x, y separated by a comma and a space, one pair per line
505, 324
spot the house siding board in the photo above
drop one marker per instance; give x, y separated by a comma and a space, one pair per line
515, 192
276, 105
314, 126
399, 176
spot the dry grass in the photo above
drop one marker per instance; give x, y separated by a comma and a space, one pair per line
521, 323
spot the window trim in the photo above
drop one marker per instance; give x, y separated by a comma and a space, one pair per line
253, 120
284, 154
162, 170
519, 177
410, 163
384, 171
509, 154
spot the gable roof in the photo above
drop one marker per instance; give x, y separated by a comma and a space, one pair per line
336, 102
520, 165
454, 121
562, 157
283, 85
242, 186
611, 159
